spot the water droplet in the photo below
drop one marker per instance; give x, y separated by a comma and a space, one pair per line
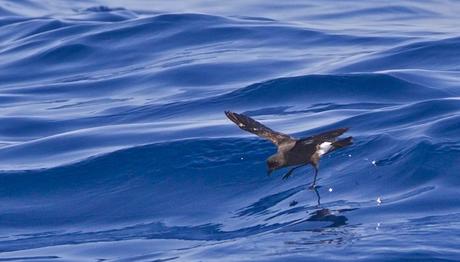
374, 162
330, 189
379, 200
349, 155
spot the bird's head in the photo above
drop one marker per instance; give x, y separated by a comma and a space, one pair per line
274, 162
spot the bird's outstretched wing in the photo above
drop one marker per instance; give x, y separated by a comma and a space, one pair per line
329, 136
248, 124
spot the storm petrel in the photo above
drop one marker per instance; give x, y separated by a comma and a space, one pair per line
292, 151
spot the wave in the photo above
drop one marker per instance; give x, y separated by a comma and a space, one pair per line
134, 186
80, 138
436, 54
114, 145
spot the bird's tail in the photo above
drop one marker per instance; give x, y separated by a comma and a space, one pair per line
343, 143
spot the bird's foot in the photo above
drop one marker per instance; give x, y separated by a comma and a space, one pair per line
287, 175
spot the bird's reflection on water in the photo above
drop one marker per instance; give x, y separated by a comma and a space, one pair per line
319, 226
322, 217
327, 215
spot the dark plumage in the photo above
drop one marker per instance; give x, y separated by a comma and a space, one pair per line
292, 151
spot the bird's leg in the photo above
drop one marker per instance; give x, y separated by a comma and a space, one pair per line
318, 196
313, 186
315, 163
289, 173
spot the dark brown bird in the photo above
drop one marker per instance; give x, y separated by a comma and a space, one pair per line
292, 151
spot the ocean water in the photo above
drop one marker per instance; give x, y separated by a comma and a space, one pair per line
114, 145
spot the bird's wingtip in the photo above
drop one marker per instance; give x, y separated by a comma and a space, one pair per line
230, 115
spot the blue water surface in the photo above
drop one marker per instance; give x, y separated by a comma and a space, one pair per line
114, 145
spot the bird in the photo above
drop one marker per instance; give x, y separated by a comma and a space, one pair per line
293, 152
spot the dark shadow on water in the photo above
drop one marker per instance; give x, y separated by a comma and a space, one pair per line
325, 214
263, 204
320, 227
269, 205
318, 197
333, 216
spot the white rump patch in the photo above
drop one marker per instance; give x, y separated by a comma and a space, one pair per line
324, 148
